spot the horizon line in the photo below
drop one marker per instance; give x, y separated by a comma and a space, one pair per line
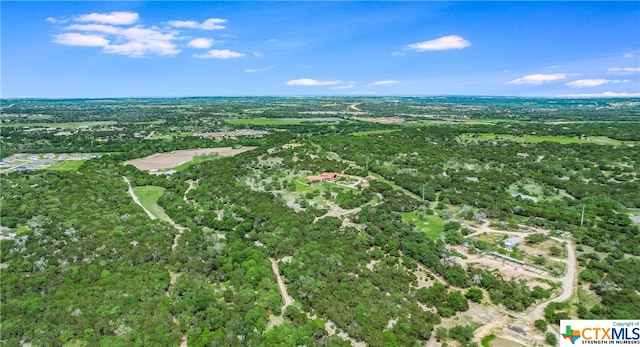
320, 96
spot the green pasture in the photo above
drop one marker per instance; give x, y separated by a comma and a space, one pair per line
67, 165
280, 121
587, 298
151, 122
148, 196
157, 136
430, 224
373, 132
600, 140
69, 125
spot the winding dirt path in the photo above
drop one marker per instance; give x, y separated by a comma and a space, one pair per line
174, 276
329, 326
286, 298
569, 281
337, 211
192, 185
136, 200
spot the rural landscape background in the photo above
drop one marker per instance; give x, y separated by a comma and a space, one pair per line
318, 174
320, 221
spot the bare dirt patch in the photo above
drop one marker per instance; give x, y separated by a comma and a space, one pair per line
635, 216
172, 159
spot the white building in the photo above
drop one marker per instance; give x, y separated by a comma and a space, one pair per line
512, 242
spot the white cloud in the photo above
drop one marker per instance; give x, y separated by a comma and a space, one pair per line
142, 41
628, 55
262, 69
56, 20
76, 39
311, 82
385, 82
219, 54
604, 95
102, 28
624, 70
397, 54
117, 33
554, 66
593, 82
132, 41
590, 82
539, 78
115, 18
209, 24
200, 43
440, 44
346, 86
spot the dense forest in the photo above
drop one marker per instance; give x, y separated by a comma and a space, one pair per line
381, 256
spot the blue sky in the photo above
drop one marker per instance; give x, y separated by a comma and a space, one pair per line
165, 48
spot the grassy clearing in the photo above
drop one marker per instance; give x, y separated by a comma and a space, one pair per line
264, 121
494, 240
22, 230
280, 121
70, 125
151, 122
600, 140
430, 224
587, 298
67, 165
160, 137
148, 196
303, 188
372, 132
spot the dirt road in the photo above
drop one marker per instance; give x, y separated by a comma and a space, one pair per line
173, 275
192, 185
136, 200
569, 282
286, 298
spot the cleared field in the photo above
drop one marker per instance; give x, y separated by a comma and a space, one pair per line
148, 196
152, 122
172, 159
67, 165
372, 132
159, 137
431, 225
600, 140
281, 121
70, 125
